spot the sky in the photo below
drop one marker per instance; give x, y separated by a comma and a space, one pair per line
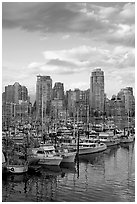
67, 41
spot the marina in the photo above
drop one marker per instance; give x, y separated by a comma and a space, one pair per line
71, 166
68, 102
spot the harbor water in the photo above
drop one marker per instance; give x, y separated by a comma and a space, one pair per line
104, 177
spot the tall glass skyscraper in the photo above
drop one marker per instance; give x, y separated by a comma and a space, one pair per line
97, 90
43, 95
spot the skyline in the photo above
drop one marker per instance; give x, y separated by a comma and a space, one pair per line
67, 41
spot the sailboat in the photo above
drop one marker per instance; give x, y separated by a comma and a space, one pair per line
46, 152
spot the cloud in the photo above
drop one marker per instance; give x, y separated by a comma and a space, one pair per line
124, 34
128, 13
99, 21
108, 27
65, 37
118, 65
83, 59
117, 79
79, 59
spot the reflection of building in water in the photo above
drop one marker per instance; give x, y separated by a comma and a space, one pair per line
43, 187
13, 185
108, 175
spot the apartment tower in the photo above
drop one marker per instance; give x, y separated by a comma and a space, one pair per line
97, 90
58, 91
43, 95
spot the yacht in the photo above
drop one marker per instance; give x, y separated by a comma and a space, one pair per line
127, 138
109, 138
68, 155
17, 168
88, 146
47, 155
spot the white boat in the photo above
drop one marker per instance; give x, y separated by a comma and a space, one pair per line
30, 157
67, 155
17, 169
109, 138
64, 131
15, 165
47, 155
88, 146
127, 139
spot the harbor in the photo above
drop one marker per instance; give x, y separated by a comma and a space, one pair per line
68, 165
103, 177
68, 102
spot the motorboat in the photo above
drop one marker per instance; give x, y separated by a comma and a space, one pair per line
47, 155
68, 156
17, 169
88, 146
127, 138
109, 138
16, 166
64, 131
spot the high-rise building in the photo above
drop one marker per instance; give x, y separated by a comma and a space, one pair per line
15, 103
24, 94
9, 93
58, 91
126, 95
43, 96
15, 93
117, 110
78, 103
58, 100
97, 90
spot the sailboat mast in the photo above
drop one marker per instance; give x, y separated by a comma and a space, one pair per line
77, 131
74, 126
87, 118
128, 121
42, 113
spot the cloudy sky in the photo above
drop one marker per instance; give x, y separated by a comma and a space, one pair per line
67, 41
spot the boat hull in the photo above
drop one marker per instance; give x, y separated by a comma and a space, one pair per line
129, 140
111, 143
52, 161
17, 169
88, 150
68, 157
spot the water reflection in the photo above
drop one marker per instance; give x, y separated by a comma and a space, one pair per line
94, 159
128, 146
42, 187
107, 176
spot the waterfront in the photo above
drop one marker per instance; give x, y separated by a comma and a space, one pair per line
104, 177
